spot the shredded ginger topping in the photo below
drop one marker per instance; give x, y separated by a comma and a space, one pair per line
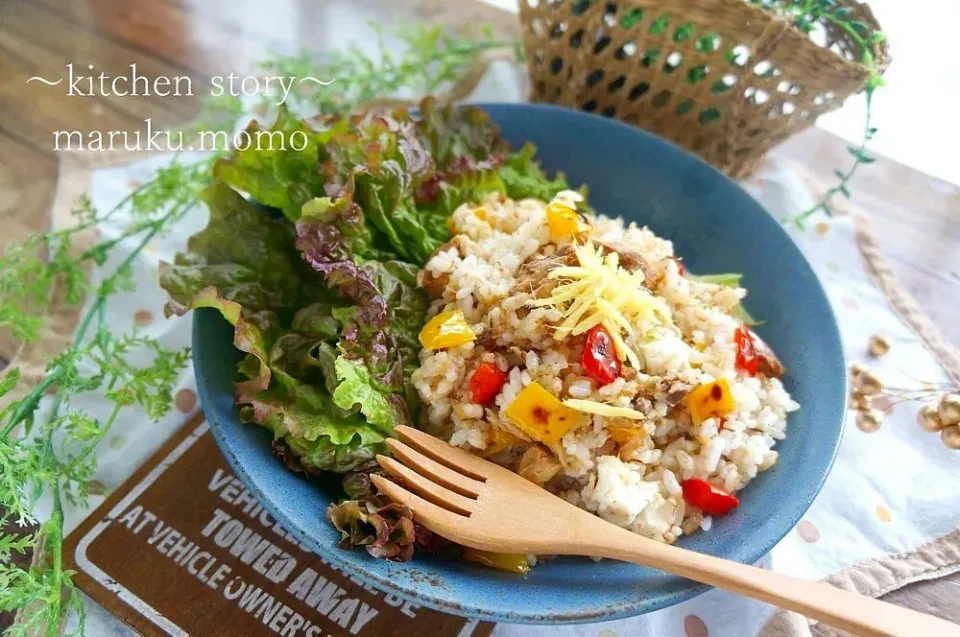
600, 292
603, 409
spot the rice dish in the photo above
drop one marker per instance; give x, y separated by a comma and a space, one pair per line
635, 442
411, 268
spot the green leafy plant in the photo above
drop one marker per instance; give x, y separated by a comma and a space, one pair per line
50, 449
48, 441
809, 16
429, 59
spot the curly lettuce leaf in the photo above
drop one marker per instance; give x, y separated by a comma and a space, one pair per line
463, 182
379, 324
289, 374
376, 163
246, 255
244, 264
300, 409
357, 484
278, 168
308, 414
248, 333
324, 300
384, 184
338, 228
357, 388
317, 321
384, 529
382, 310
524, 179
450, 133
310, 458
390, 165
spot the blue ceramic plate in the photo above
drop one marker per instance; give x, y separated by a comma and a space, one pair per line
716, 227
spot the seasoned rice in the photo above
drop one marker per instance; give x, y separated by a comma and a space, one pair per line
634, 484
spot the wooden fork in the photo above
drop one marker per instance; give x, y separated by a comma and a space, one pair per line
484, 506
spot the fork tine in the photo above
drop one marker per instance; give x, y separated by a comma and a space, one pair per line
434, 470
435, 518
431, 491
457, 459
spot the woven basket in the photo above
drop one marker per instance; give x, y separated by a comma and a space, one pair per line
723, 78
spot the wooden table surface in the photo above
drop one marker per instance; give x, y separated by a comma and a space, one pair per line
915, 215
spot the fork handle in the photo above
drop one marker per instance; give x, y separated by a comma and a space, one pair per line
850, 611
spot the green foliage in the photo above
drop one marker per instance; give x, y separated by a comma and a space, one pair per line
683, 33
9, 381
808, 16
429, 59
696, 73
283, 176
708, 43
28, 272
632, 19
860, 157
357, 387
524, 179
659, 26
55, 453
53, 450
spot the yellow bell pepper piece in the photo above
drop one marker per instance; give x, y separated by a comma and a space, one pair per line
711, 400
447, 329
564, 222
501, 561
540, 415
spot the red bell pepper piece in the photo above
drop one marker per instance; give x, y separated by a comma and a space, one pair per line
486, 383
747, 358
705, 496
599, 358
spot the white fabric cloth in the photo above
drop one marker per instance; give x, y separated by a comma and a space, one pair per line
889, 491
